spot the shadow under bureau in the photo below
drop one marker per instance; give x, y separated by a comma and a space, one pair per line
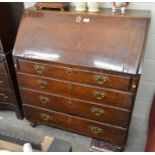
80, 71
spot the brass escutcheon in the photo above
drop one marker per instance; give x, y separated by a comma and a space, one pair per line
97, 111
46, 117
70, 86
101, 79
44, 99
78, 19
42, 84
99, 95
3, 97
39, 69
69, 71
95, 129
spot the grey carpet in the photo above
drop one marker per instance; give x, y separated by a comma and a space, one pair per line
10, 124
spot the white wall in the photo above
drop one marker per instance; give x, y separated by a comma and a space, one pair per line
147, 83
28, 4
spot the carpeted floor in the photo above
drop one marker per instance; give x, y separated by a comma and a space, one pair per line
11, 125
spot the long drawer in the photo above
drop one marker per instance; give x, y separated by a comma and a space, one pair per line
6, 96
4, 81
85, 92
77, 75
2, 68
76, 124
9, 106
77, 107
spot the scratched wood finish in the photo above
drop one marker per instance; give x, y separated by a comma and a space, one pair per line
76, 124
91, 61
85, 92
71, 74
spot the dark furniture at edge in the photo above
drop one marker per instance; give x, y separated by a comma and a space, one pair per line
10, 14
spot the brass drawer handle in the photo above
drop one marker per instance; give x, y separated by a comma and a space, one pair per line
99, 95
69, 71
101, 79
95, 129
43, 99
42, 84
97, 111
70, 86
39, 69
46, 117
3, 97
78, 19
1, 81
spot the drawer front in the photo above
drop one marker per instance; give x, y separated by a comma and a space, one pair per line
77, 107
82, 76
76, 124
85, 92
2, 68
6, 96
4, 81
7, 106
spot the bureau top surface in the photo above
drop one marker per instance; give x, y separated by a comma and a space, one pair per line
95, 40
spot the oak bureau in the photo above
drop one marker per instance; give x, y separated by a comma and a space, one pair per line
80, 71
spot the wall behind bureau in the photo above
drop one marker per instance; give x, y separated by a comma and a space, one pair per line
147, 83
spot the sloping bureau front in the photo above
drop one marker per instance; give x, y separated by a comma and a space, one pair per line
80, 71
